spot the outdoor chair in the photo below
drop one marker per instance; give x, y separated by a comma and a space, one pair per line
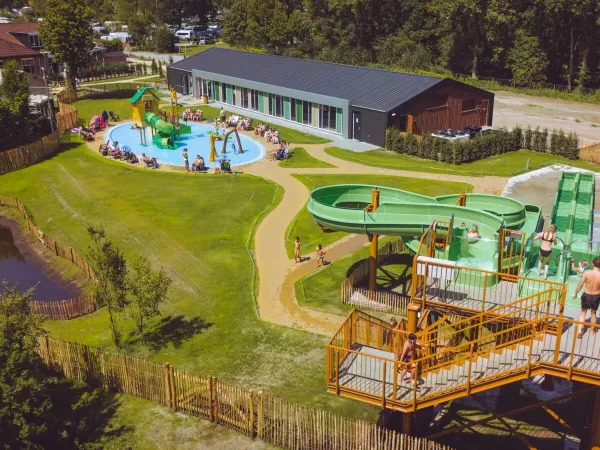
104, 146
114, 117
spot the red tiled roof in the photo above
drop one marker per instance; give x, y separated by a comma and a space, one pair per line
7, 28
8, 49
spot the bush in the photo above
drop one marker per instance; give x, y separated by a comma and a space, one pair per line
497, 143
113, 45
163, 40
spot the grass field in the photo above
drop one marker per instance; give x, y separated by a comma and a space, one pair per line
143, 78
190, 50
321, 290
300, 158
311, 234
506, 165
93, 107
197, 229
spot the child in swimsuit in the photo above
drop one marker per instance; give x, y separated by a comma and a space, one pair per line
320, 256
297, 257
548, 238
408, 353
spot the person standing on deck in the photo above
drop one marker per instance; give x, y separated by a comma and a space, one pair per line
590, 299
548, 238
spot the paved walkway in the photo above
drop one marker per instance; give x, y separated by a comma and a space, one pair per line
276, 299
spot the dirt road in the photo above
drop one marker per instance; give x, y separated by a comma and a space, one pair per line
512, 109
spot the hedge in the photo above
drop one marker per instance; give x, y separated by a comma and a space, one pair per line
501, 141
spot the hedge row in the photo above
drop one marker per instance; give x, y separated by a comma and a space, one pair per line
501, 141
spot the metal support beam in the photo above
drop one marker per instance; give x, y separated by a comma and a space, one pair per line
373, 249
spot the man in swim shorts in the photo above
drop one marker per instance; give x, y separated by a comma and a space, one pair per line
408, 354
548, 238
590, 299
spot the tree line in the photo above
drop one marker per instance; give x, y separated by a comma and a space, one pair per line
529, 41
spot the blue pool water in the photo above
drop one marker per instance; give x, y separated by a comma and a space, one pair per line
197, 143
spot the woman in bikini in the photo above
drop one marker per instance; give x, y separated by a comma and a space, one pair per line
408, 353
548, 238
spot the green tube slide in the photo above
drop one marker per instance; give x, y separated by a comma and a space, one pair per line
164, 131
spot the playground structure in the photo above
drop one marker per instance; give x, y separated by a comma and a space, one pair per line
146, 111
482, 315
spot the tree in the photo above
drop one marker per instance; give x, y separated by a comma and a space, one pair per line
163, 40
110, 268
235, 23
66, 32
153, 67
14, 90
148, 288
140, 28
527, 61
113, 45
160, 69
25, 403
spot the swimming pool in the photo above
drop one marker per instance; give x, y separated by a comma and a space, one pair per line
197, 143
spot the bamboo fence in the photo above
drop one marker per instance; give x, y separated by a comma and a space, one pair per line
590, 152
67, 117
384, 301
29, 154
263, 416
62, 309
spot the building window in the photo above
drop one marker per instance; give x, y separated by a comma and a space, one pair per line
293, 110
233, 95
327, 117
254, 100
223, 92
34, 40
245, 98
439, 101
306, 113
332, 118
28, 65
271, 104
469, 104
278, 106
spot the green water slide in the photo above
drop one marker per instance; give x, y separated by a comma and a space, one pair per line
163, 138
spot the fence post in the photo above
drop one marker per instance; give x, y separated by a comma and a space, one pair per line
261, 417
168, 386
72, 257
172, 386
211, 399
251, 414
56, 247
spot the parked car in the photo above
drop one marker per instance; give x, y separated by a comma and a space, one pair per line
451, 135
186, 35
476, 131
206, 39
100, 30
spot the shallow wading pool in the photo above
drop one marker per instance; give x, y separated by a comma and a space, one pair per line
197, 143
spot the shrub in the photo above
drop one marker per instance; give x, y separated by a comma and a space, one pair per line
113, 45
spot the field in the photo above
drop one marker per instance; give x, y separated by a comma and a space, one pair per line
300, 158
506, 165
209, 323
311, 234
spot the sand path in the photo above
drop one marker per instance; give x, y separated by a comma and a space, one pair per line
276, 299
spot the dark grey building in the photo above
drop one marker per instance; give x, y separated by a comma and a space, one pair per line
354, 102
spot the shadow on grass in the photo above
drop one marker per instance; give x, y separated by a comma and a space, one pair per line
171, 330
394, 275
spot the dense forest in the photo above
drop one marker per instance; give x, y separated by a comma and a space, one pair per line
531, 42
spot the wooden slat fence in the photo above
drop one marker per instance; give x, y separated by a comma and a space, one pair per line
62, 309
263, 416
384, 301
27, 155
590, 152
67, 117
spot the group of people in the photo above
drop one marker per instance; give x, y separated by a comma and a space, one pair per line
320, 253
281, 152
193, 115
270, 134
198, 164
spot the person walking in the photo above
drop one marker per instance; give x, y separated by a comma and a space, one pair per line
548, 238
223, 114
297, 257
590, 299
320, 256
186, 161
408, 356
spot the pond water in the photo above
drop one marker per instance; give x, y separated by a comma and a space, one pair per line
17, 270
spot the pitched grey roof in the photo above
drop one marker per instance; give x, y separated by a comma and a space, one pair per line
364, 87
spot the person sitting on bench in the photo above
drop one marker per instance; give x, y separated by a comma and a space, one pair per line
225, 165
198, 164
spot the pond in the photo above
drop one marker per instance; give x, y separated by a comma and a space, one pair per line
20, 271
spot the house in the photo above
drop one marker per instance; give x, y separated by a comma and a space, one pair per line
354, 102
21, 41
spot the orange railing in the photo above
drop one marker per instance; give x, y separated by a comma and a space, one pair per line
445, 286
471, 366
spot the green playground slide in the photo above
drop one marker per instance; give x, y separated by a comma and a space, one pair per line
164, 131
342, 207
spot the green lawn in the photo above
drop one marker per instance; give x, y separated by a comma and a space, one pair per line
311, 234
300, 158
321, 290
93, 107
146, 79
506, 165
197, 229
193, 49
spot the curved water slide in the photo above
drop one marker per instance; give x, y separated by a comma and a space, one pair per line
402, 213
164, 131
